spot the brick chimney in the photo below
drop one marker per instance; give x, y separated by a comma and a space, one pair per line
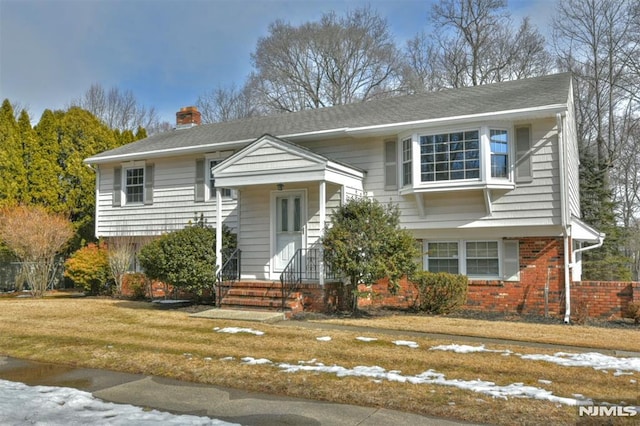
188, 117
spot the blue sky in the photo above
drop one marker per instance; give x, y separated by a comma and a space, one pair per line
167, 52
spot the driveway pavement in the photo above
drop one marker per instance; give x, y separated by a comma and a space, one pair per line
231, 405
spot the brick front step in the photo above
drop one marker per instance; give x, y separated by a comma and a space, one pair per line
261, 295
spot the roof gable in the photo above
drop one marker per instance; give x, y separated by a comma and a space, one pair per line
269, 153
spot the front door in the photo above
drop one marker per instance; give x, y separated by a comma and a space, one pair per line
289, 227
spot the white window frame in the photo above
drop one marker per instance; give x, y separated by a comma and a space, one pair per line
426, 251
406, 157
462, 257
497, 259
484, 180
508, 154
479, 159
125, 168
227, 193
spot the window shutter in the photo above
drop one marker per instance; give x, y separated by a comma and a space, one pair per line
200, 180
510, 260
117, 187
523, 154
390, 165
148, 184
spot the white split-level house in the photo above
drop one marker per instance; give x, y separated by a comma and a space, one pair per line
478, 173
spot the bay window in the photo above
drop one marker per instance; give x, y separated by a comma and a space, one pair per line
499, 153
480, 158
406, 161
450, 156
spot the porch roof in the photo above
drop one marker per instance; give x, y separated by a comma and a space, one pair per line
580, 231
271, 160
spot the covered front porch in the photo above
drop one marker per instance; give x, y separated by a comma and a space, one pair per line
285, 194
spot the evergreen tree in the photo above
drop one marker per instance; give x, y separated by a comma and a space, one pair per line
44, 188
10, 155
28, 142
605, 263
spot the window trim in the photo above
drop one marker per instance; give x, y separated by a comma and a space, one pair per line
125, 167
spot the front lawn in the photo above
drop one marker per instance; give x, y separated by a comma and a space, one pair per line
135, 337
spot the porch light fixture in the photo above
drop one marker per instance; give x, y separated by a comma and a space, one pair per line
280, 186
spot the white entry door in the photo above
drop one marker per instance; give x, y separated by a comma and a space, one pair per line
289, 227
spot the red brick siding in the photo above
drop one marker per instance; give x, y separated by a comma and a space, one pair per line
541, 261
604, 299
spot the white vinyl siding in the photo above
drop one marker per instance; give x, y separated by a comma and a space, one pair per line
173, 196
534, 204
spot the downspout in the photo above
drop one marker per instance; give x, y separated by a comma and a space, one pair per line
591, 247
566, 227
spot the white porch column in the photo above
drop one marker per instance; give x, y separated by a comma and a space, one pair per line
218, 230
323, 214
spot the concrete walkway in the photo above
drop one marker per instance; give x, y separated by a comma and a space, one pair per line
230, 405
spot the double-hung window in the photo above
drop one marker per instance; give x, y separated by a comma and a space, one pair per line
134, 185
406, 161
478, 259
482, 258
499, 153
226, 192
443, 257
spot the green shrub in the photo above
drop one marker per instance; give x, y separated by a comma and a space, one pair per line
88, 268
440, 293
633, 312
137, 283
364, 242
184, 259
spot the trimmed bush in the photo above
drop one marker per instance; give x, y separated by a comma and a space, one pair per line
364, 242
185, 259
440, 293
88, 268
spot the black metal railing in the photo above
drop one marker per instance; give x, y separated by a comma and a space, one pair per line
305, 265
229, 273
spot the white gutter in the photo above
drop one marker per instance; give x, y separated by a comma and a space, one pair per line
566, 227
582, 249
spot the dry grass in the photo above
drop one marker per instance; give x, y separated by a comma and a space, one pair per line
134, 337
573, 335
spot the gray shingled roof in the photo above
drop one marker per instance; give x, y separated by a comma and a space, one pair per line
500, 97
